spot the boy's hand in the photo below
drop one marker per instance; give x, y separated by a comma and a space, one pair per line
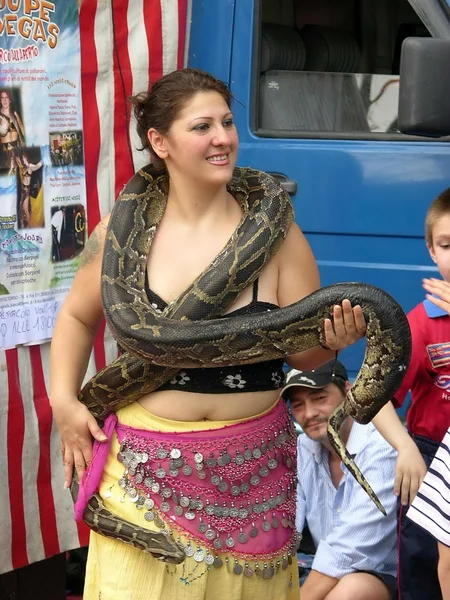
438, 287
410, 470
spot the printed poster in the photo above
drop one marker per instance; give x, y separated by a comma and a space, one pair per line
42, 177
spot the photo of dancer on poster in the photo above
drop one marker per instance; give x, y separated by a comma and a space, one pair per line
66, 148
58, 224
12, 135
30, 196
68, 231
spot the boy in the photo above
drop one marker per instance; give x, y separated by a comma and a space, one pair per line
428, 378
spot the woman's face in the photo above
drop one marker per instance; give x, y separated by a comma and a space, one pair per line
203, 142
5, 100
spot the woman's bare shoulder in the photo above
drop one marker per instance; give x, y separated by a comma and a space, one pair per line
95, 244
83, 301
298, 274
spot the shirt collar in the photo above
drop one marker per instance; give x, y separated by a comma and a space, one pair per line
432, 310
356, 441
359, 434
315, 448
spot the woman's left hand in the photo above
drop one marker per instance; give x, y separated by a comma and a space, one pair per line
348, 326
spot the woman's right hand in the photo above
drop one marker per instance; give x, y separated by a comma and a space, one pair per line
77, 426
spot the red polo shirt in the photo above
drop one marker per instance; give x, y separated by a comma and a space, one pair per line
428, 376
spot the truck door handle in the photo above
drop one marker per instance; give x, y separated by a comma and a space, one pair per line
288, 185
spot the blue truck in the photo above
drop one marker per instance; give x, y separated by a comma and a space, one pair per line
316, 94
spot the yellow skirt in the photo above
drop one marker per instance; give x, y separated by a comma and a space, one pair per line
37, 210
116, 571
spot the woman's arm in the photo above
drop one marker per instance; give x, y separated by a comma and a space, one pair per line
35, 167
410, 468
19, 121
298, 276
75, 329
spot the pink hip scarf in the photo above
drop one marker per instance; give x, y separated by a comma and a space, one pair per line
230, 490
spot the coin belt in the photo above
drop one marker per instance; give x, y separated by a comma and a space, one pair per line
232, 494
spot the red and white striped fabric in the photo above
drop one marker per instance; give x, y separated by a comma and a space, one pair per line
125, 44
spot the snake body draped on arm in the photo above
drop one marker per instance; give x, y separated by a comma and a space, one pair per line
185, 335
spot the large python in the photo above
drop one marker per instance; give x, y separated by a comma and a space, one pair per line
156, 345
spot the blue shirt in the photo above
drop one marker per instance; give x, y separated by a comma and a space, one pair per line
349, 532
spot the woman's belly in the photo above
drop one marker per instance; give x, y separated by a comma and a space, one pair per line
10, 137
191, 406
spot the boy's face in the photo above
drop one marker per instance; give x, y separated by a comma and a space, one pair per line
440, 249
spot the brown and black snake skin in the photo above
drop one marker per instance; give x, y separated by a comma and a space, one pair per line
158, 345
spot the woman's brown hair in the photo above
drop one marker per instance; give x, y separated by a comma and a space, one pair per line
161, 105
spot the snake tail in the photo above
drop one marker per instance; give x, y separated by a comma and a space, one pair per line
160, 545
334, 425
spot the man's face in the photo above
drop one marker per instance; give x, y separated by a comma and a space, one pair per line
313, 407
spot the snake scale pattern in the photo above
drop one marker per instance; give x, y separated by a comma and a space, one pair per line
185, 335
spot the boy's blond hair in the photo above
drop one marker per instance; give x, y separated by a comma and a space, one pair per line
439, 207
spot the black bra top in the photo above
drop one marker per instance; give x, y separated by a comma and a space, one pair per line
11, 125
257, 377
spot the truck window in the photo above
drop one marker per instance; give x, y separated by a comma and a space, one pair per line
329, 68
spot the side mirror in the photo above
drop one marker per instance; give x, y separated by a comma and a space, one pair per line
424, 98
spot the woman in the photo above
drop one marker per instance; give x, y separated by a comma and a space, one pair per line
26, 169
11, 130
186, 123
